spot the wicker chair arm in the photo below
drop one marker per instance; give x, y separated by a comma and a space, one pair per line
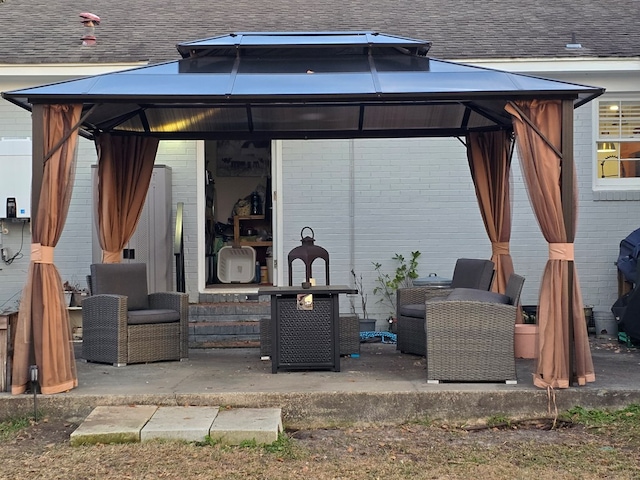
169, 300
104, 311
179, 302
470, 341
416, 295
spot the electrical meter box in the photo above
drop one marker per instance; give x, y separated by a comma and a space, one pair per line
15, 177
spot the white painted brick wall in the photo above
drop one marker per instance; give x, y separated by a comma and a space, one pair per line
417, 194
14, 122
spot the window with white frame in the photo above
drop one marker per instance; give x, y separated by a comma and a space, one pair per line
618, 143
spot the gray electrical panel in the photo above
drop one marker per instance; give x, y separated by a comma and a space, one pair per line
152, 242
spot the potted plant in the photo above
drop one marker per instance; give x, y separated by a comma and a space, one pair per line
388, 285
73, 294
366, 324
526, 334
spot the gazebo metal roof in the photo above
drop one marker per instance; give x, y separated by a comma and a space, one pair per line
300, 85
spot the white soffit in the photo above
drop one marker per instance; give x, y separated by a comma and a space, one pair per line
560, 65
64, 69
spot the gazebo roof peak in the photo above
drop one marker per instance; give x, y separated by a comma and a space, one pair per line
300, 41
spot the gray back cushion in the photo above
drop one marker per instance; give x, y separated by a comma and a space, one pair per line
128, 279
472, 273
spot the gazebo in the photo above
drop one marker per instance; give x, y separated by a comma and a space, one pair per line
295, 85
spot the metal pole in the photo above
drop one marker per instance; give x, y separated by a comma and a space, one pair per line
567, 192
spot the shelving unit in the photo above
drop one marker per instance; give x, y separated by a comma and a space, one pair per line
259, 245
237, 239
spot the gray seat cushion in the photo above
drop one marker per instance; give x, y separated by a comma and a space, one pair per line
145, 317
474, 295
415, 310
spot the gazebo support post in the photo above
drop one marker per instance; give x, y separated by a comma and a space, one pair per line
568, 197
37, 159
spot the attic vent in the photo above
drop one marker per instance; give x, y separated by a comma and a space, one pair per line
89, 22
574, 44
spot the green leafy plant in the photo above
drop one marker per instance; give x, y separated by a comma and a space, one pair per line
284, 446
387, 285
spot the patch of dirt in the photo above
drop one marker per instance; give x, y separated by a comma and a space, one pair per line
41, 436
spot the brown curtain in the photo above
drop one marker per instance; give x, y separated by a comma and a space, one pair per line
541, 166
43, 336
489, 155
125, 165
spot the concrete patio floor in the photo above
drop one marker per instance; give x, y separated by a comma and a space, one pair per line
380, 386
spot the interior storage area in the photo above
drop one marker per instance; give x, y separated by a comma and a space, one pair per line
238, 208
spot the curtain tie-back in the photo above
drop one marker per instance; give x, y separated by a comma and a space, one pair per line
500, 248
41, 253
561, 251
111, 257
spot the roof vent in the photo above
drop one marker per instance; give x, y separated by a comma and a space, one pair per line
574, 44
89, 21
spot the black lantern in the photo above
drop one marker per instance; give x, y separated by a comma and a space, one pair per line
308, 252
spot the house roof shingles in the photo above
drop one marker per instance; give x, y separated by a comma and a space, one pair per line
50, 31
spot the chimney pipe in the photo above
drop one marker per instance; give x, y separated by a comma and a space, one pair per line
89, 21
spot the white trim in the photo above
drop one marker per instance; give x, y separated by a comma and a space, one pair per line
278, 224
608, 184
65, 69
200, 206
561, 65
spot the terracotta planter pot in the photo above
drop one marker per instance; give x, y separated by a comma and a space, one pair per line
525, 340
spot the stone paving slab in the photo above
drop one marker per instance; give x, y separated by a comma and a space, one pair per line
189, 424
113, 425
237, 425
132, 424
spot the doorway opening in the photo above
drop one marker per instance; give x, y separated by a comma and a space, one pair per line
238, 213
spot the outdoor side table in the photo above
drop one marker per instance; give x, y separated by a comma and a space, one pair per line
305, 332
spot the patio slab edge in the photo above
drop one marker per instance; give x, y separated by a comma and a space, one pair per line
328, 409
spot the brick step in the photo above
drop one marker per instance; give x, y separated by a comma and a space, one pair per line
222, 297
221, 334
228, 311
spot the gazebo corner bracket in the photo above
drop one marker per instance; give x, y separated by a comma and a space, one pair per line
528, 121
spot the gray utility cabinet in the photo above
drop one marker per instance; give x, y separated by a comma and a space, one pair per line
152, 242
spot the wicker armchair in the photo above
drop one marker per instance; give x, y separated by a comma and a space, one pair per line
123, 324
469, 336
468, 273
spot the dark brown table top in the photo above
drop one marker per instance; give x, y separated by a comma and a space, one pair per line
318, 290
